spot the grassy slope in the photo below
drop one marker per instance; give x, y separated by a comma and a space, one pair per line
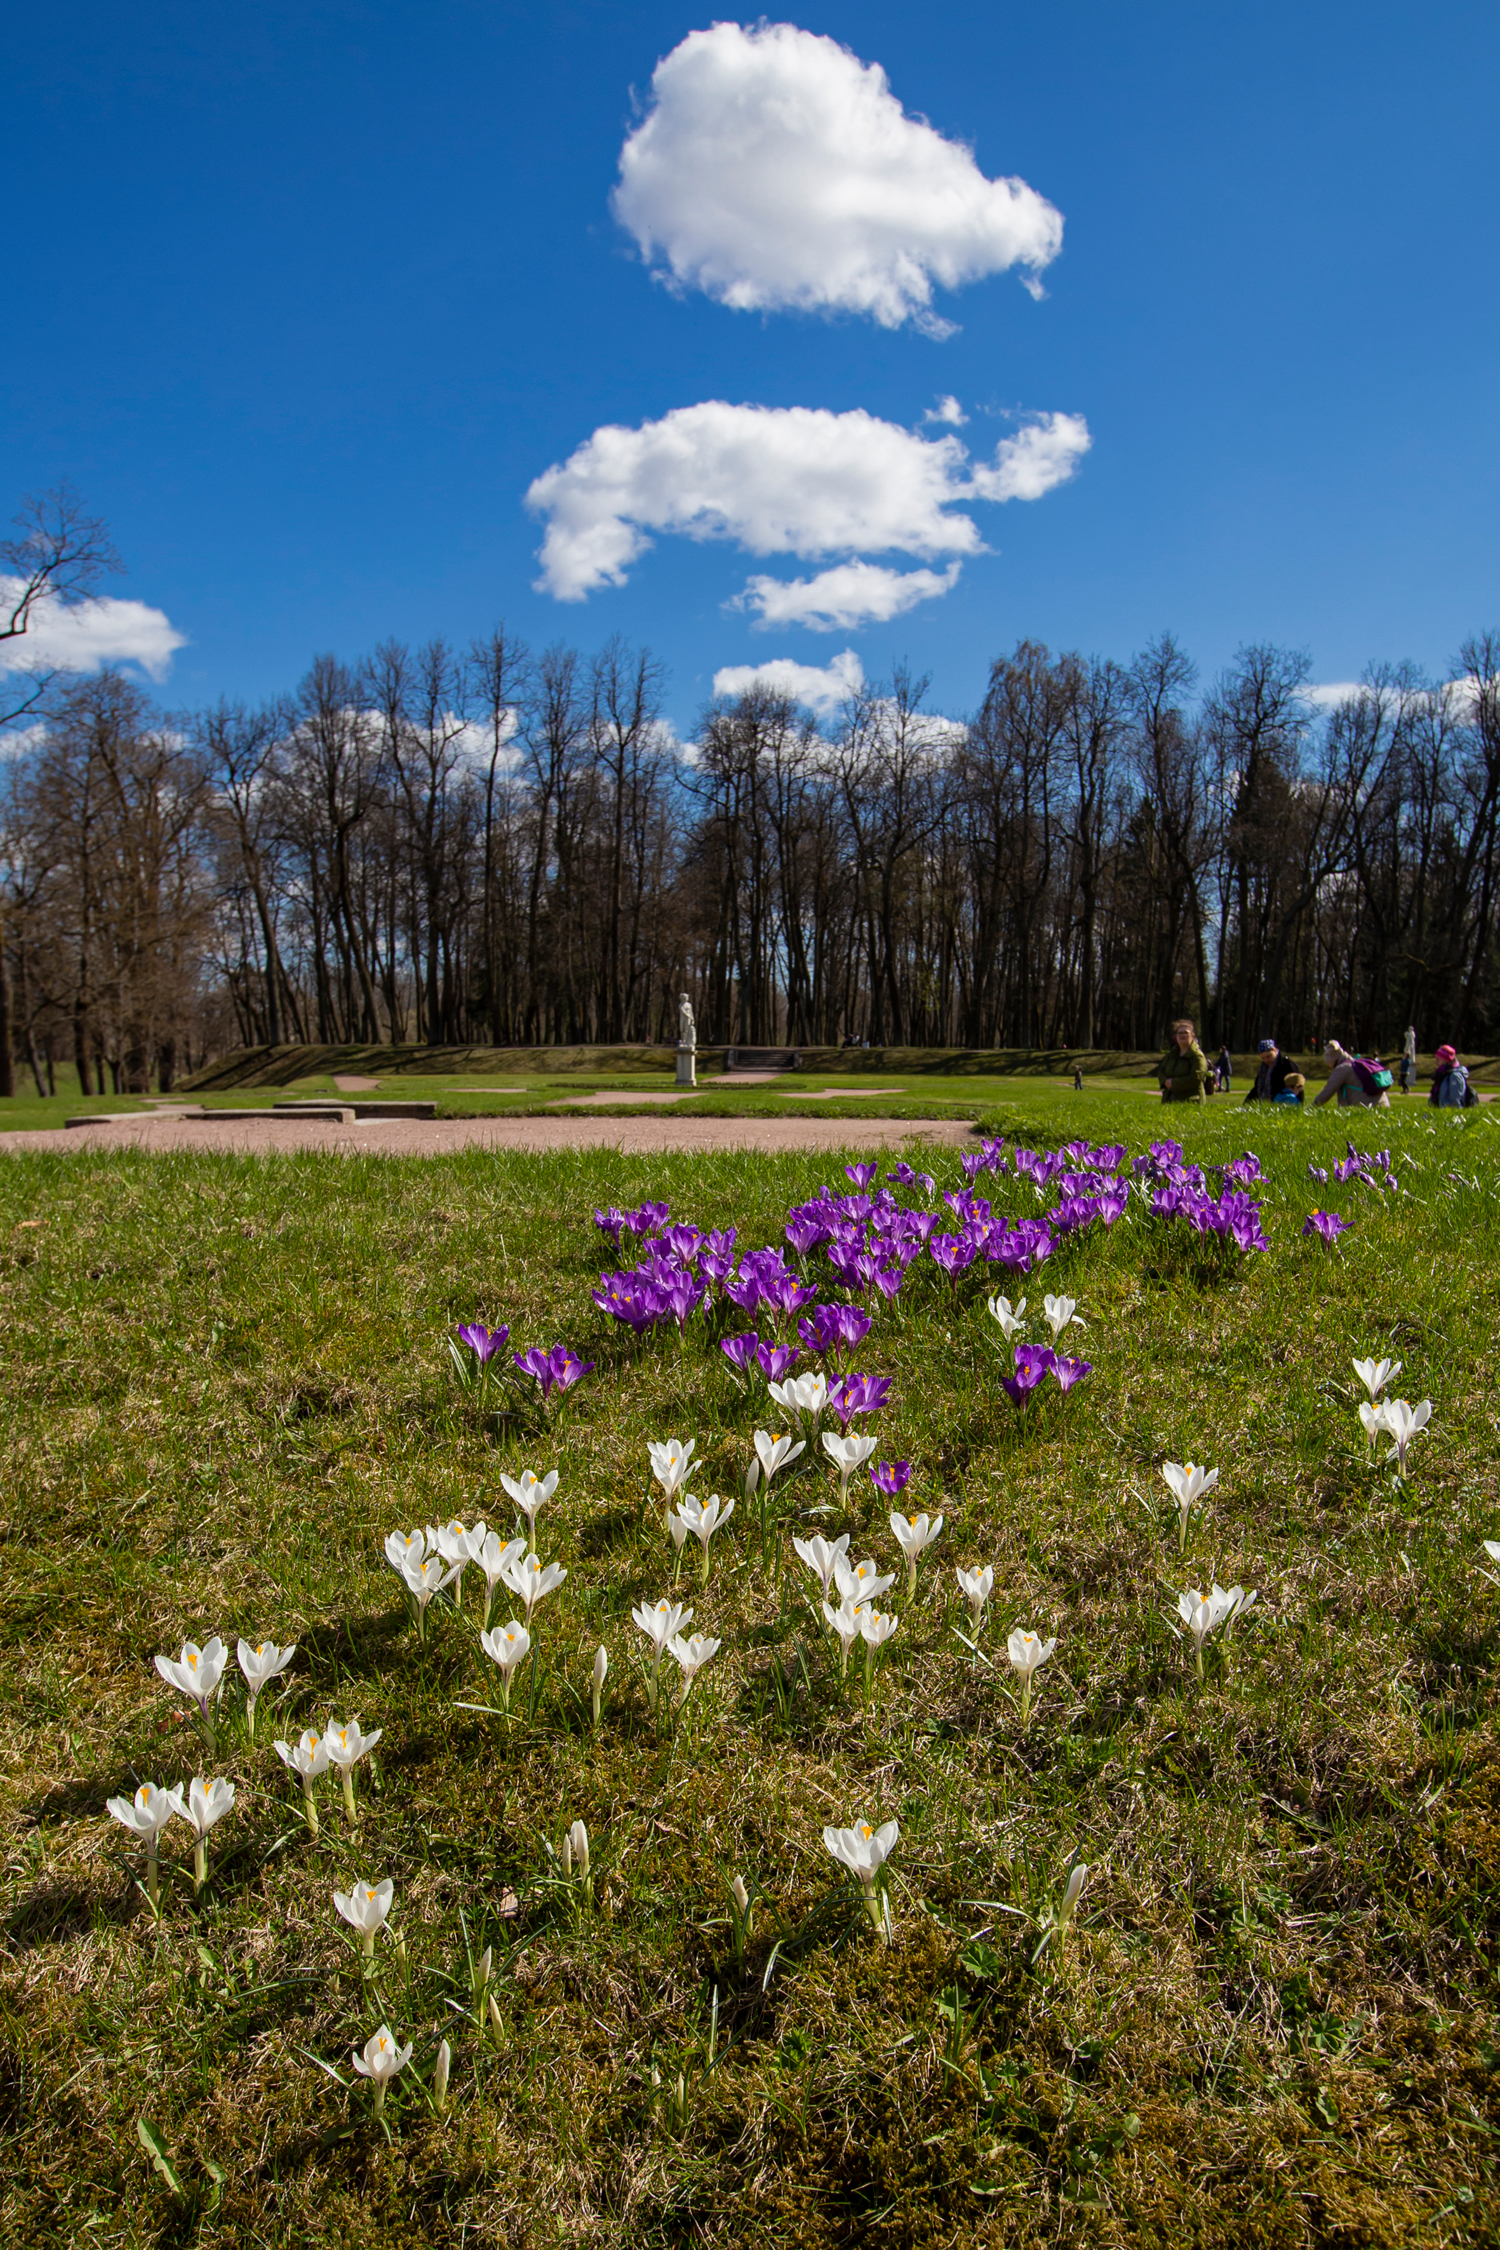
1278, 2023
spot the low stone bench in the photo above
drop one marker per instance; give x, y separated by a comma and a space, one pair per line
355, 1109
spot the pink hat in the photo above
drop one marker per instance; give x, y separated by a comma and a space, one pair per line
1446, 1055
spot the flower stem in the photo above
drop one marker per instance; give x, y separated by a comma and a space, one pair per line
309, 1804
153, 1878
200, 1863
347, 1777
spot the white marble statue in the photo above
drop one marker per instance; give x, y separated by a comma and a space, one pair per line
687, 1029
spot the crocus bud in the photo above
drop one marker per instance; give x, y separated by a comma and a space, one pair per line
567, 1852
601, 1666
740, 1895
578, 1837
496, 2025
440, 2078
483, 1966
1070, 1897
752, 1480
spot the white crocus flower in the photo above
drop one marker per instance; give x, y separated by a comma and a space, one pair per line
601, 1668
456, 1543
260, 1665
864, 1851
576, 1850
346, 1746
1376, 1373
528, 1491
196, 1674
860, 1581
774, 1449
403, 1547
1373, 1419
1492, 1549
1060, 1311
875, 1628
1403, 1422
507, 1647
847, 1454
1203, 1614
844, 1621
425, 1579
976, 1586
531, 1583
309, 1759
801, 1394
671, 1464
822, 1556
1009, 1318
911, 1538
1188, 1485
494, 1559
381, 2061
659, 1624
146, 1814
702, 1518
365, 1909
692, 1654
1028, 1653
206, 1802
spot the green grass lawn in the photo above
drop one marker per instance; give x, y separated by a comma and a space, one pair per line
1274, 2021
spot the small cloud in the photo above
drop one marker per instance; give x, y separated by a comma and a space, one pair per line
947, 410
822, 688
839, 600
82, 636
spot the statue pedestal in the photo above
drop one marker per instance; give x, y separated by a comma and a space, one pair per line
687, 1066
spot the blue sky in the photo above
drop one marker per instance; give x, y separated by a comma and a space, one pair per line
303, 299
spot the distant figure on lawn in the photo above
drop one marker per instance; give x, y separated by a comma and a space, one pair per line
1183, 1070
1078, 1078
1271, 1076
1226, 1068
1353, 1079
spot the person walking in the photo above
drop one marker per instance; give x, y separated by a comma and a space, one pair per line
1182, 1072
1226, 1068
1407, 1070
1272, 1074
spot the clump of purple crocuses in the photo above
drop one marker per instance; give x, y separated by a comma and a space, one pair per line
1034, 1363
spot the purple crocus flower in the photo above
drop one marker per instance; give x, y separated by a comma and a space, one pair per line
858, 1394
610, 1222
557, 1370
740, 1350
888, 1279
1318, 1173
861, 1174
909, 1178
1070, 1371
890, 1477
952, 1252
1327, 1225
776, 1360
483, 1342
1034, 1362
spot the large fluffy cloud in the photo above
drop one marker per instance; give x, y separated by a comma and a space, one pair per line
822, 687
791, 480
80, 636
850, 594
776, 170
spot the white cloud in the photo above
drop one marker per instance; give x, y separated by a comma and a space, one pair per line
1039, 457
848, 595
775, 170
792, 480
821, 687
80, 636
947, 410
1332, 693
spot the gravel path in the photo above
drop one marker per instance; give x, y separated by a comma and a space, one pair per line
652, 1135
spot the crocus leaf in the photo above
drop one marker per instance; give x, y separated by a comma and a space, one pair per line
149, 2136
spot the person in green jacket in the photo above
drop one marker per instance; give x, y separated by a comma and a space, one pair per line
1183, 1069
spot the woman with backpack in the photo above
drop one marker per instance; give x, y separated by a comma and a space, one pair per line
1356, 1080
1450, 1082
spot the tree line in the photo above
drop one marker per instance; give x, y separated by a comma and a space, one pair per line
485, 845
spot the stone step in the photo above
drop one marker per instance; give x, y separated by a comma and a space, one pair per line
355, 1109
